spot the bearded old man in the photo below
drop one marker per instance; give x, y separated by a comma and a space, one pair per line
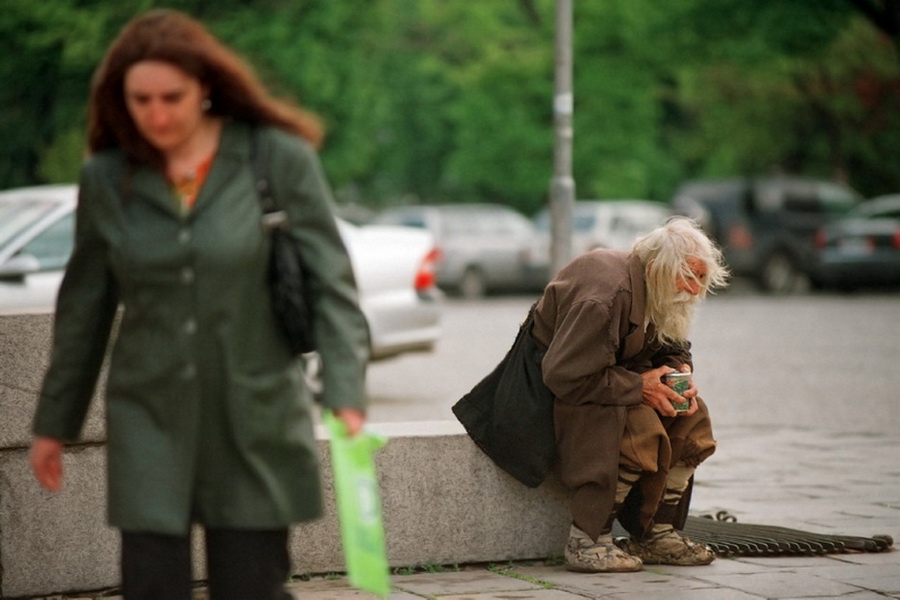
612, 324
581, 392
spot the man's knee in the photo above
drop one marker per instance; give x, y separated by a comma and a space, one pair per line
691, 437
644, 444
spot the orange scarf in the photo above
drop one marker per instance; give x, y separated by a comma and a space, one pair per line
188, 188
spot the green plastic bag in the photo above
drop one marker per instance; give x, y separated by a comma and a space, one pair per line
359, 506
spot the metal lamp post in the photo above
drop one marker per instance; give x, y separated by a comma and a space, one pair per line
562, 186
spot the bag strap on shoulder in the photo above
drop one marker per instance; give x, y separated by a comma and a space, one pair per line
273, 217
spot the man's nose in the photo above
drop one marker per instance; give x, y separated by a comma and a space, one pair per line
693, 287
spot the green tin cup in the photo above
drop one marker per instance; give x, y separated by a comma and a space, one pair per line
680, 382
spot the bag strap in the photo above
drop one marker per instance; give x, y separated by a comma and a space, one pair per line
273, 217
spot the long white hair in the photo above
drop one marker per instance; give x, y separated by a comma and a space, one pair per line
664, 252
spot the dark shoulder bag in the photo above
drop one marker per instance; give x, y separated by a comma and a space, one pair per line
509, 413
286, 274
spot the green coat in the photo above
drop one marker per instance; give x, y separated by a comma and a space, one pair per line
208, 417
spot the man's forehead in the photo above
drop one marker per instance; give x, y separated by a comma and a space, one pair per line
696, 265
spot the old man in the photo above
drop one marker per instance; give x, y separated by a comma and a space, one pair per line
613, 324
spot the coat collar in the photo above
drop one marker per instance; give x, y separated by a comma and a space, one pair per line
233, 151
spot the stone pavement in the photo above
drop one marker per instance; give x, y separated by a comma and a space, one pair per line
821, 481
827, 482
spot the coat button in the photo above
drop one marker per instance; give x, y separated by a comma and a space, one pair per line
187, 275
189, 371
190, 326
184, 236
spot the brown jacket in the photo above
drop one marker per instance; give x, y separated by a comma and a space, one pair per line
591, 320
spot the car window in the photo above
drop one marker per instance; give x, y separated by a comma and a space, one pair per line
19, 214
877, 210
626, 226
802, 197
582, 223
405, 218
887, 214
646, 218
413, 222
53, 246
583, 220
767, 196
478, 222
511, 224
835, 199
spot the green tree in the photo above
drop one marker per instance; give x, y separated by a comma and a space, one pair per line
470, 94
430, 101
48, 51
326, 56
619, 77
791, 86
45, 77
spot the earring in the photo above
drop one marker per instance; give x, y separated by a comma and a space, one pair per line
206, 104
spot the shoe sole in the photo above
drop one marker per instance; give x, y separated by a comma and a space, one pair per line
577, 569
678, 564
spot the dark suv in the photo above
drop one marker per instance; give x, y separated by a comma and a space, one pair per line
766, 225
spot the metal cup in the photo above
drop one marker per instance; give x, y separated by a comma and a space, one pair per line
680, 382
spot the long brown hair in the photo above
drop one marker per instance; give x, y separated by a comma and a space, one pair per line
175, 38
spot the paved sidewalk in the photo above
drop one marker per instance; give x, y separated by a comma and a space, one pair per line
817, 481
833, 483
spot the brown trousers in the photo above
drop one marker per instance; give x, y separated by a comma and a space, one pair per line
650, 444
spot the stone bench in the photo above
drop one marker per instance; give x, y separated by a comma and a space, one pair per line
443, 501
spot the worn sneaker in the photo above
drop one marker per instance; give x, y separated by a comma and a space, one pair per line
584, 555
670, 548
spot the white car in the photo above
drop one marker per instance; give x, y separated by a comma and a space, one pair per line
394, 267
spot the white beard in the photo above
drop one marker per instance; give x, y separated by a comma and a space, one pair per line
674, 323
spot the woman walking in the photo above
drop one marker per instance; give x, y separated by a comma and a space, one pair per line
208, 416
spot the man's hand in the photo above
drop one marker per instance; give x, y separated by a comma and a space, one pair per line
46, 462
659, 396
690, 394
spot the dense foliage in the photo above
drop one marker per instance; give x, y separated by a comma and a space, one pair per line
450, 100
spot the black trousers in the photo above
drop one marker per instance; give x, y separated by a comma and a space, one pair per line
241, 565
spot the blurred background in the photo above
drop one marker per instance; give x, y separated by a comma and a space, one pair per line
774, 124
450, 101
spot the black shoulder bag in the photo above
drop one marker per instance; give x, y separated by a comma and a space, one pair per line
288, 287
509, 413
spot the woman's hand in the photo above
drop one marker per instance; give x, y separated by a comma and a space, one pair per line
353, 419
46, 462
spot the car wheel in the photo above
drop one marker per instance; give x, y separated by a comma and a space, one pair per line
778, 274
472, 284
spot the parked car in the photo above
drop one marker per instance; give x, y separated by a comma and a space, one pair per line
484, 247
766, 225
394, 267
601, 224
862, 248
